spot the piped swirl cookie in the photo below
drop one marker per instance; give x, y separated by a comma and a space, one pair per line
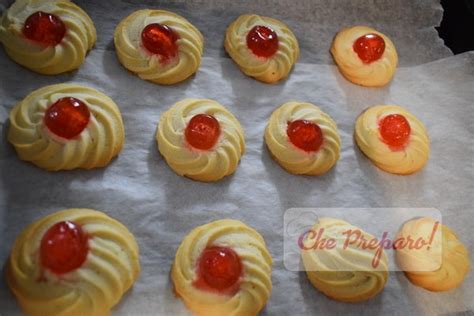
344, 274
223, 268
200, 139
47, 36
159, 46
303, 139
365, 56
442, 266
393, 138
74, 262
66, 126
263, 47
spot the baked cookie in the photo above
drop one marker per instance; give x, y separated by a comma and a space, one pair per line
442, 266
74, 262
66, 126
343, 274
303, 139
200, 139
263, 48
223, 268
47, 36
365, 56
393, 138
159, 46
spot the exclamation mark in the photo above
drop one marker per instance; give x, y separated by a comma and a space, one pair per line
435, 228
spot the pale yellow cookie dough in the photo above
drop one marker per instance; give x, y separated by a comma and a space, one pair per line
133, 56
98, 143
68, 55
293, 159
375, 74
443, 266
343, 274
110, 269
271, 69
408, 160
208, 165
255, 283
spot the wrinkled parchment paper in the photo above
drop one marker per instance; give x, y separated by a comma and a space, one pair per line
159, 207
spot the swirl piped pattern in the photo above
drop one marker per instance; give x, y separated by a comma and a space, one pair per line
443, 266
375, 74
343, 274
269, 69
97, 144
290, 157
137, 59
209, 165
68, 55
255, 284
111, 268
405, 161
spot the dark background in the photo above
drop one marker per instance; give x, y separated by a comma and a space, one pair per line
457, 27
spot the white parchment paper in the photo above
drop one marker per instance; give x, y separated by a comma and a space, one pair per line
159, 207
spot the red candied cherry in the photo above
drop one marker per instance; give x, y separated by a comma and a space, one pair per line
395, 131
67, 117
262, 41
305, 135
44, 28
219, 269
369, 47
64, 247
160, 39
202, 131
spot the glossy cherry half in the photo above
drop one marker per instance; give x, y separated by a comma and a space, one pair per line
219, 270
67, 117
395, 131
64, 247
202, 131
369, 47
160, 39
262, 41
305, 135
44, 28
